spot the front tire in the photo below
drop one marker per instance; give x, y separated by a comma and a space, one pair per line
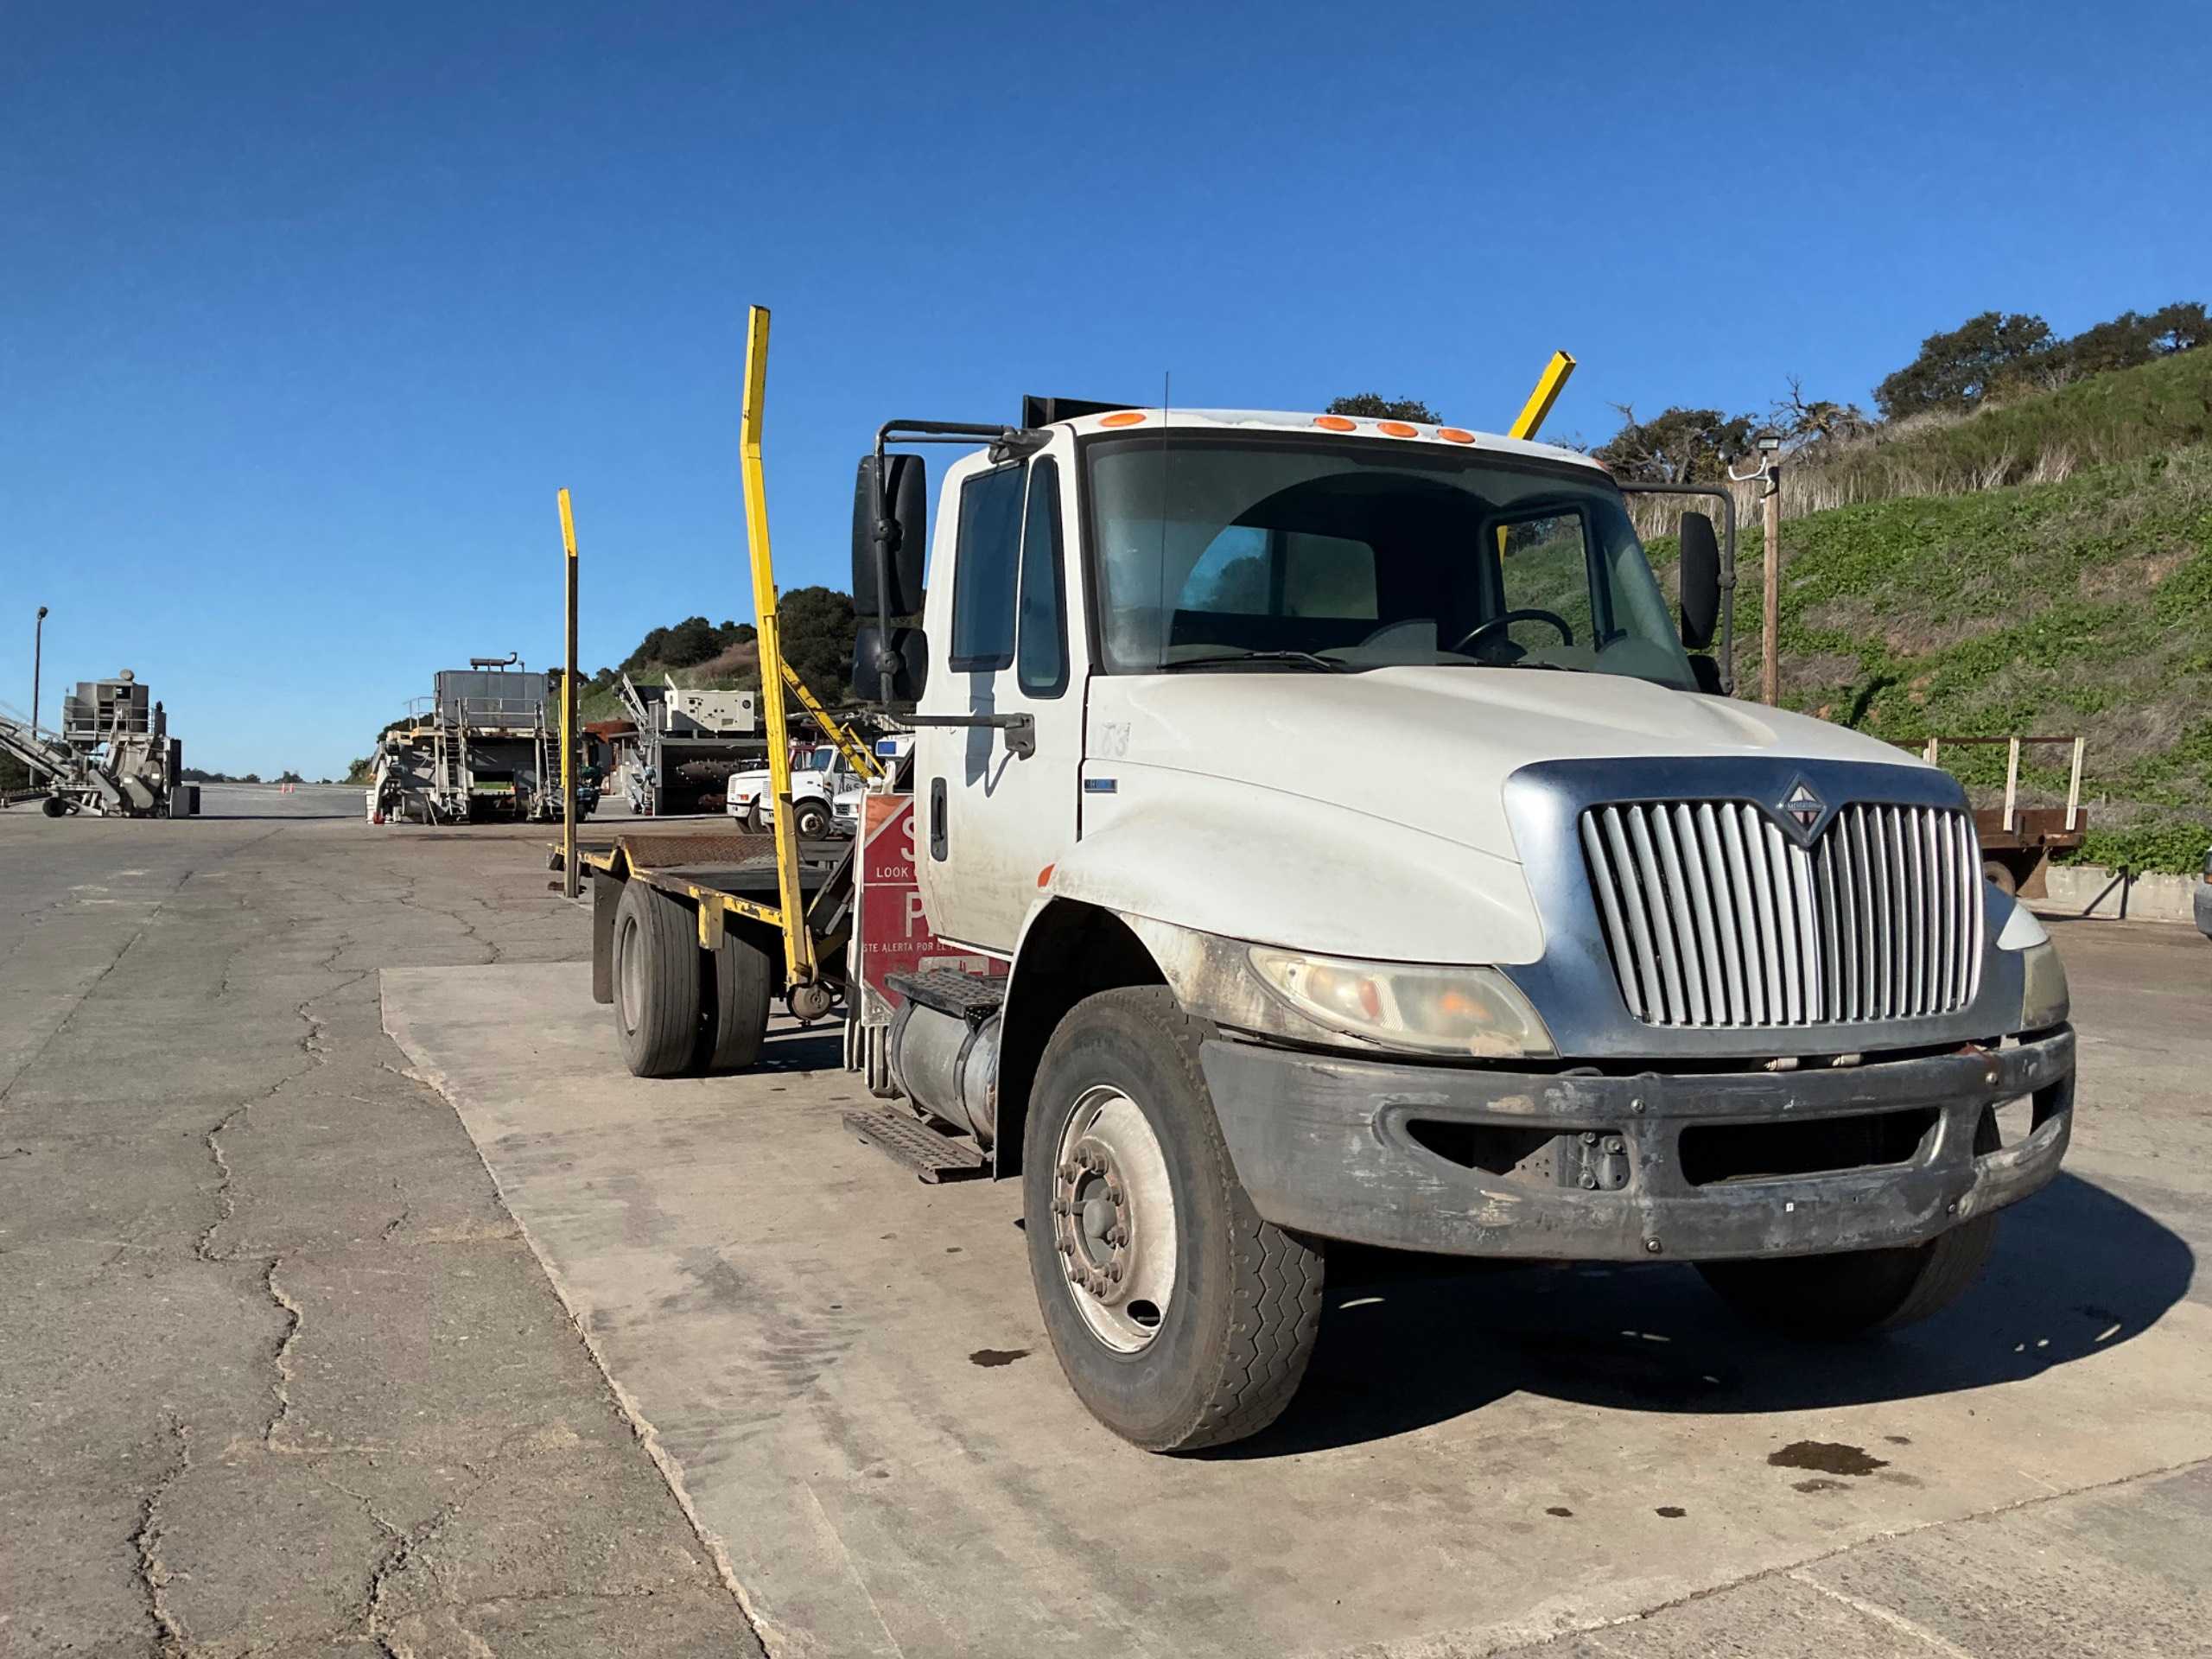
1181, 1318
812, 819
1858, 1292
656, 975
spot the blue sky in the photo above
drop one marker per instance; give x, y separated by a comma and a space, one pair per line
307, 310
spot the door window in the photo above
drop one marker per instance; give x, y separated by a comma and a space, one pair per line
1544, 565
985, 562
1043, 638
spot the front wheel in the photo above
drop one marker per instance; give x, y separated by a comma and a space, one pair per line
1856, 1292
811, 818
1181, 1319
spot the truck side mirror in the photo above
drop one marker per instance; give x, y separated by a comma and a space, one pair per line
1700, 581
905, 652
890, 537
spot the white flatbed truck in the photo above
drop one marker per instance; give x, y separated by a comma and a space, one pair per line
1629, 972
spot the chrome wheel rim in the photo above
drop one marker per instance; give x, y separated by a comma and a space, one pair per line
1114, 1220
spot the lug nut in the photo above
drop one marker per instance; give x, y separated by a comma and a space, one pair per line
1652, 1247
1113, 1272
1589, 1137
1113, 1192
1067, 1247
1588, 1180
1068, 1172
1614, 1146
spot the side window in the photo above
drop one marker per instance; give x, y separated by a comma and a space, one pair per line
984, 563
1545, 566
1042, 647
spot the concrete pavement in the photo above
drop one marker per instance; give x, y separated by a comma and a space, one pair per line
847, 1374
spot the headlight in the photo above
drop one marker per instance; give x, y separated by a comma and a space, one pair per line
1474, 1011
2044, 999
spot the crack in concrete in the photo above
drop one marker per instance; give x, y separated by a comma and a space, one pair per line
1874, 1540
296, 1317
169, 1636
225, 1205
497, 951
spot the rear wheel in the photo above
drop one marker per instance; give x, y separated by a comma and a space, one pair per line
736, 1000
54, 806
1181, 1319
655, 981
1857, 1292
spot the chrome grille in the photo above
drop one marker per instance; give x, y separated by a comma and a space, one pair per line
1715, 917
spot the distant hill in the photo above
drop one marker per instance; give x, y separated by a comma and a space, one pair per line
818, 634
2082, 605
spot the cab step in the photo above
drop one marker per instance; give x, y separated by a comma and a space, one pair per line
933, 1157
971, 997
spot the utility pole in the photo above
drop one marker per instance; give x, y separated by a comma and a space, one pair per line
38, 652
570, 885
1770, 477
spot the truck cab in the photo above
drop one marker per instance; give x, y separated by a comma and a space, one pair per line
818, 778
1612, 968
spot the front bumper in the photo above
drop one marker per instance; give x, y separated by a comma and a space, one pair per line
1343, 1149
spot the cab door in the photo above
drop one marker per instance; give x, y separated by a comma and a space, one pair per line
990, 822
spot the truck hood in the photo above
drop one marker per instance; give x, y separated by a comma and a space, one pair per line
1431, 748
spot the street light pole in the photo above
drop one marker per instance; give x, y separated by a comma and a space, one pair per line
38, 653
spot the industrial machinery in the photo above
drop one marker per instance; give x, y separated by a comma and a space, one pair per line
1636, 973
687, 745
112, 757
484, 745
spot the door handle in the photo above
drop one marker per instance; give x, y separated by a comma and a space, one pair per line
937, 837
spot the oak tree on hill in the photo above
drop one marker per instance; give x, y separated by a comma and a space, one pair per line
1374, 407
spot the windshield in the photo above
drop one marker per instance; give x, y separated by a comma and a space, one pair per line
821, 760
1216, 551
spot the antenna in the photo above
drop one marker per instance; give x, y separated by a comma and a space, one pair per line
1167, 609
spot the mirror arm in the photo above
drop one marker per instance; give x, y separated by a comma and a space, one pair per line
1021, 729
906, 432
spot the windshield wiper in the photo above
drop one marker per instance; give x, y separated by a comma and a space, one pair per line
1304, 659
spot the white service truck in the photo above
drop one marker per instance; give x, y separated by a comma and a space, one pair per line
1623, 970
818, 778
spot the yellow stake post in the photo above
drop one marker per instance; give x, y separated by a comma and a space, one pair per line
571, 878
1549, 385
799, 941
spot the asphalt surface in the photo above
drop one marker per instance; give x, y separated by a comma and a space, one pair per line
279, 1375
301, 1355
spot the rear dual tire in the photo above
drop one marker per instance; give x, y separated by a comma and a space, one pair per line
1224, 1341
679, 1009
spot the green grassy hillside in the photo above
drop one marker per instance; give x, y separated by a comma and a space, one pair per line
2083, 605
2127, 415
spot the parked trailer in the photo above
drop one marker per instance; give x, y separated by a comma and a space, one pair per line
688, 947
2018, 842
1637, 973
